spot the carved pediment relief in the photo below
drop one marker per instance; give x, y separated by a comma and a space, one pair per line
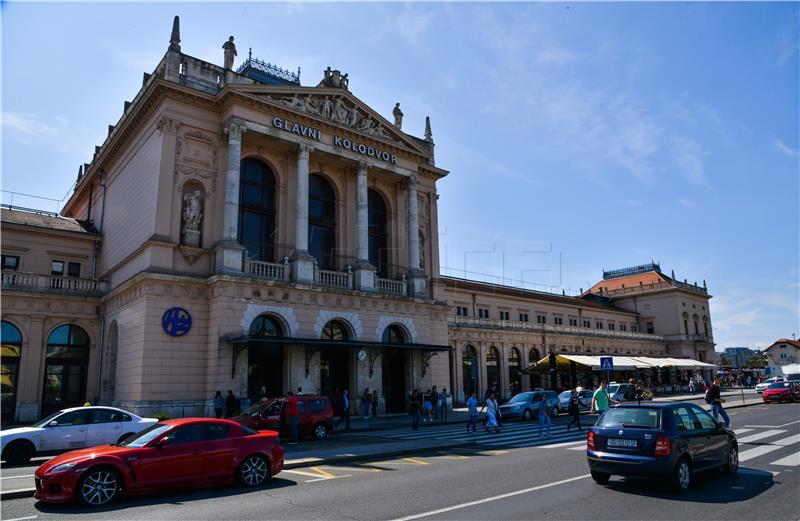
196, 156
340, 110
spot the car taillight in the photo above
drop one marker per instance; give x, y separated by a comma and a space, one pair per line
662, 446
590, 441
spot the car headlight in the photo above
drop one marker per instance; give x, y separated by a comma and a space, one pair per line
62, 468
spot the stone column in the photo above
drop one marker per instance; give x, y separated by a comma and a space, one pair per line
365, 272
416, 277
228, 250
302, 261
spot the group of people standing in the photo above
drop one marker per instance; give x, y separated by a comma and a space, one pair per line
428, 406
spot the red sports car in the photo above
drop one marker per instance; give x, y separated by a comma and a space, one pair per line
190, 452
782, 391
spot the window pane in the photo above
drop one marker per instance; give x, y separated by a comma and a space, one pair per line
10, 334
251, 195
74, 269
10, 262
59, 336
217, 431
78, 336
58, 268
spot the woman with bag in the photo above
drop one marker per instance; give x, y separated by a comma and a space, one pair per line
492, 412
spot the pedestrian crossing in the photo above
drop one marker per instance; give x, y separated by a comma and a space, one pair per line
758, 444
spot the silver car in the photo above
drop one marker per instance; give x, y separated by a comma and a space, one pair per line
526, 405
584, 399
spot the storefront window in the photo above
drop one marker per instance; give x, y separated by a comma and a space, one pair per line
65, 371
335, 330
492, 367
469, 370
11, 351
514, 383
393, 334
264, 325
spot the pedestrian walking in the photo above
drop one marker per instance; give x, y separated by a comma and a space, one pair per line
366, 401
345, 408
574, 410
427, 406
630, 392
299, 391
443, 405
544, 416
713, 397
219, 404
435, 402
375, 403
262, 394
230, 404
492, 411
414, 409
294, 418
472, 407
600, 398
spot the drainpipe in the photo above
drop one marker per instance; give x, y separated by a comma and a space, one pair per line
102, 320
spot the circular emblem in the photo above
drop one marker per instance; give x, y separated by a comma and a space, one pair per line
176, 321
620, 432
362, 355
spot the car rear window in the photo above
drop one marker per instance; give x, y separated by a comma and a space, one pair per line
778, 385
316, 405
630, 417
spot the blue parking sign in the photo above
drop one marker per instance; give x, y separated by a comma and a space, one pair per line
606, 363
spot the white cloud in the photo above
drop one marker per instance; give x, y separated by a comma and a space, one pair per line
33, 125
413, 23
785, 149
688, 154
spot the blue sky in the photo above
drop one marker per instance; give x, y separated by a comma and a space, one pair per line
579, 136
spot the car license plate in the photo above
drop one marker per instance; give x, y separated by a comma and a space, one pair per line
617, 442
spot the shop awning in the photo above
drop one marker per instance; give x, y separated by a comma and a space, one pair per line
621, 363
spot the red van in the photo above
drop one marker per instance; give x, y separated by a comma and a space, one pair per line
315, 415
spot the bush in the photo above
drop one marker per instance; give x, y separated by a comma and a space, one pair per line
161, 416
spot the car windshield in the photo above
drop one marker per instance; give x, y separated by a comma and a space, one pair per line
45, 421
565, 395
612, 389
257, 407
522, 397
142, 438
630, 417
778, 385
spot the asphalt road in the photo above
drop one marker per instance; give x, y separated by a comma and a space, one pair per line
518, 482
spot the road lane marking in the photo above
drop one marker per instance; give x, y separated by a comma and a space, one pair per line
449, 455
791, 440
741, 431
17, 477
355, 469
323, 472
582, 447
22, 518
792, 460
493, 498
758, 451
774, 426
418, 462
760, 435
306, 474
564, 444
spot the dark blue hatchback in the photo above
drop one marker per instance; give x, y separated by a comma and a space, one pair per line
672, 440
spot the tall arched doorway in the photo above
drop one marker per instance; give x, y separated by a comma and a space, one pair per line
378, 233
514, 382
492, 368
322, 222
265, 361
109, 378
335, 362
536, 378
67, 359
257, 210
469, 371
393, 365
11, 340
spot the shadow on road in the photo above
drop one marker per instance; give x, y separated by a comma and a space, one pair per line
708, 487
178, 497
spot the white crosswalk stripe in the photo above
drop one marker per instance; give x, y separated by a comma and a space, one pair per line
768, 447
792, 460
760, 435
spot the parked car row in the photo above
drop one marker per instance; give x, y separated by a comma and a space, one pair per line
781, 392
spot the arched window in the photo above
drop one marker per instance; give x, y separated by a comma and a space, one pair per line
393, 334
11, 351
533, 357
265, 325
514, 383
321, 221
469, 370
378, 233
492, 367
257, 210
335, 330
65, 370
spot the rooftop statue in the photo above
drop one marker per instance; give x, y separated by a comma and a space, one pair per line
398, 116
230, 51
334, 78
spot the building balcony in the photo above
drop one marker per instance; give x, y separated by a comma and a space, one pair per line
512, 325
644, 288
21, 281
688, 338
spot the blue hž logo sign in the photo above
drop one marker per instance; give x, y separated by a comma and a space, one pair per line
606, 363
176, 321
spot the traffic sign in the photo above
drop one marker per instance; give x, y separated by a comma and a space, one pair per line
607, 363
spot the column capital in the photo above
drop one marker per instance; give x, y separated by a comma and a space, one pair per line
303, 149
235, 128
363, 166
412, 181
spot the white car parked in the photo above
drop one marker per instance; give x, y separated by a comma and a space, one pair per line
74, 428
766, 383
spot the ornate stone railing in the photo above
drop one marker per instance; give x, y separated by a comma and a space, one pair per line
16, 280
267, 270
391, 287
334, 279
487, 323
688, 338
655, 286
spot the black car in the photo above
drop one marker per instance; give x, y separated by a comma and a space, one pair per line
672, 440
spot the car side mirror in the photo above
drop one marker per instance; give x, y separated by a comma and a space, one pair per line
161, 443
53, 423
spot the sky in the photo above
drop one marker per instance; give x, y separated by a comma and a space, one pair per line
579, 136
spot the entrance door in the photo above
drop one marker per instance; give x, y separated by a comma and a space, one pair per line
334, 370
265, 367
394, 380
